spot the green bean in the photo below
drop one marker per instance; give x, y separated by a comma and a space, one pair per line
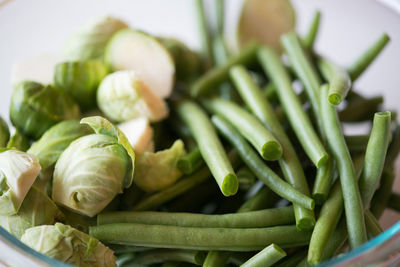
292, 107
372, 224
227, 239
252, 219
263, 199
257, 166
339, 80
219, 9
356, 143
250, 128
360, 110
19, 141
294, 259
351, 194
323, 182
382, 196
337, 240
289, 163
214, 77
394, 202
269, 92
266, 257
123, 259
303, 68
328, 219
210, 146
162, 255
309, 39
122, 249
375, 156
190, 162
246, 178
221, 53
204, 33
366, 58
179, 187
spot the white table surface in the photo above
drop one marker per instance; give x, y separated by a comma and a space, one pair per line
30, 28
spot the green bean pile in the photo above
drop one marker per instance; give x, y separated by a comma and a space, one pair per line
262, 174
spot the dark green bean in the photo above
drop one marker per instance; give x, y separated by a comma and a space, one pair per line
257, 166
356, 143
190, 162
323, 182
266, 257
351, 194
382, 196
375, 156
339, 80
292, 107
214, 77
204, 33
210, 146
337, 240
366, 58
360, 110
216, 258
227, 239
250, 128
162, 255
394, 201
263, 199
289, 163
309, 39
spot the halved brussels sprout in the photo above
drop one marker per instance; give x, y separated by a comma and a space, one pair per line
93, 169
156, 171
18, 171
91, 39
137, 51
35, 108
80, 79
64, 243
36, 209
123, 96
139, 133
187, 63
4, 133
18, 141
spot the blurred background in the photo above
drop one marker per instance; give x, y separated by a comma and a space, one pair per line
31, 28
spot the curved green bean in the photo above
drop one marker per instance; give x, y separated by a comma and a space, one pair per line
375, 156
366, 58
351, 194
266, 257
252, 219
289, 163
292, 107
214, 77
250, 128
258, 167
339, 80
227, 239
309, 39
190, 162
210, 146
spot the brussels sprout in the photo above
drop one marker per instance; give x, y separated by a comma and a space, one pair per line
35, 108
56, 139
18, 171
4, 133
123, 96
155, 171
18, 141
69, 245
91, 39
137, 51
80, 79
93, 169
139, 133
187, 63
36, 209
